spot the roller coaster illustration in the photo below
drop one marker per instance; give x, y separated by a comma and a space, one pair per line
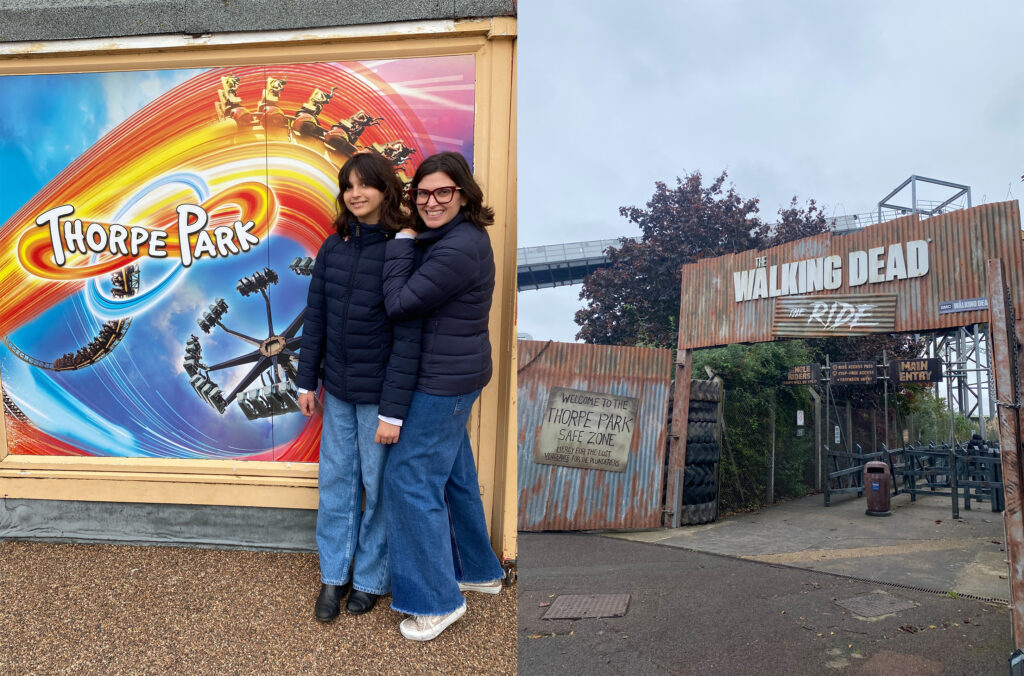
273, 359
339, 141
11, 409
124, 284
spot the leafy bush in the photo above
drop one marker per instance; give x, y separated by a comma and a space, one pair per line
752, 375
927, 418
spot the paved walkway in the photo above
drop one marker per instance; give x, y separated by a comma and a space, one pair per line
697, 613
776, 592
920, 545
106, 609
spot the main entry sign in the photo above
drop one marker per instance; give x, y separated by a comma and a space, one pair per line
911, 371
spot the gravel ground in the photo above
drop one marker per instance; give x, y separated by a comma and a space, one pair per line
109, 609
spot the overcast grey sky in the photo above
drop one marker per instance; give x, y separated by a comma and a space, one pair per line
835, 101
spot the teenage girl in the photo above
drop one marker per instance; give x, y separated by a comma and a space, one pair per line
367, 364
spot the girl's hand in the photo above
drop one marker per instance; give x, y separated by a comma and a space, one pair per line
386, 433
308, 403
408, 231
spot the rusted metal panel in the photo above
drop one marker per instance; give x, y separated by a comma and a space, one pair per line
834, 316
677, 438
553, 497
1007, 372
957, 243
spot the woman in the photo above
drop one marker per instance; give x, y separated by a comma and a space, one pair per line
368, 365
437, 534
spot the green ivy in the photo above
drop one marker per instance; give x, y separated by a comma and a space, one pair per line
752, 375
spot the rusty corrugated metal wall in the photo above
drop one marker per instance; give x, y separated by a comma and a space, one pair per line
959, 243
552, 497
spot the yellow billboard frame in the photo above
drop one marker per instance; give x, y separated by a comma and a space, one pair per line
293, 485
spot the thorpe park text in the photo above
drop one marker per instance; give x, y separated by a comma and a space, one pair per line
123, 240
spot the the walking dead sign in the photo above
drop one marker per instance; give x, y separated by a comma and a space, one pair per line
589, 430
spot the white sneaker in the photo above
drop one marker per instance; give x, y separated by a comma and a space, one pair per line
427, 627
492, 587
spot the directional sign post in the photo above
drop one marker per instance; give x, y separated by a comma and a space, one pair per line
854, 373
803, 374
903, 371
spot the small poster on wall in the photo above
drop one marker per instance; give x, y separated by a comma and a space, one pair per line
588, 430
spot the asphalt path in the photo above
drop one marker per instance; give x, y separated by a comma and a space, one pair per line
698, 613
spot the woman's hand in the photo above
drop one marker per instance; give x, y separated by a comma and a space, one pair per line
408, 231
387, 433
308, 403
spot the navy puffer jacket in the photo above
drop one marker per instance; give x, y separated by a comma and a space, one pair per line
367, 358
451, 291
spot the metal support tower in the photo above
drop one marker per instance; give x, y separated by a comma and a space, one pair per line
922, 206
967, 363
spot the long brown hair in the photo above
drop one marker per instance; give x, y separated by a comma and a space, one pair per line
457, 168
375, 171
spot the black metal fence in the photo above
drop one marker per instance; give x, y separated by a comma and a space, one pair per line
925, 470
846, 471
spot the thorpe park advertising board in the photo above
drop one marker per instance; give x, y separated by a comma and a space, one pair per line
154, 363
158, 234
893, 277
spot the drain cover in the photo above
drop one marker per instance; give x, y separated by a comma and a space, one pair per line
581, 606
875, 605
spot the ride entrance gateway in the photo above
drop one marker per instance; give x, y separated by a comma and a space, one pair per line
967, 269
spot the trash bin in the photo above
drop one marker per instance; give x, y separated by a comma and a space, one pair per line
876, 487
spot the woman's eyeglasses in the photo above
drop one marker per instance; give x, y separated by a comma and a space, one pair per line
441, 195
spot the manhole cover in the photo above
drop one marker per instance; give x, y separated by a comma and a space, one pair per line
875, 605
581, 606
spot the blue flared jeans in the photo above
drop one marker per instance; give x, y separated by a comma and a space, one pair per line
351, 463
437, 533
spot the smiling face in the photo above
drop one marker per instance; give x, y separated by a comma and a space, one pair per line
435, 215
362, 200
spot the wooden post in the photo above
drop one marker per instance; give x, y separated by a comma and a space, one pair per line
677, 435
828, 427
720, 440
849, 426
771, 462
1003, 333
817, 437
885, 397
874, 429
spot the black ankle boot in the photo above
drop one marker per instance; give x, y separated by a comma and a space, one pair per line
360, 602
328, 604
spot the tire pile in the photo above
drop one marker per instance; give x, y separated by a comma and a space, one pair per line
700, 485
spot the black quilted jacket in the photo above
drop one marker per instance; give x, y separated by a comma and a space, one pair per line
451, 291
366, 358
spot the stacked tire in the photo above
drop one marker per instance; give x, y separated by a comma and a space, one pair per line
700, 475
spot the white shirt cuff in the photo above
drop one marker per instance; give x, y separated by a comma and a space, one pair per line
302, 390
393, 421
404, 235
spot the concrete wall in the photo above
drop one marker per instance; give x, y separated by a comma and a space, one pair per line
34, 20
156, 524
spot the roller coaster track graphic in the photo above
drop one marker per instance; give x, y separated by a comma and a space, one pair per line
273, 359
337, 142
12, 410
125, 283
